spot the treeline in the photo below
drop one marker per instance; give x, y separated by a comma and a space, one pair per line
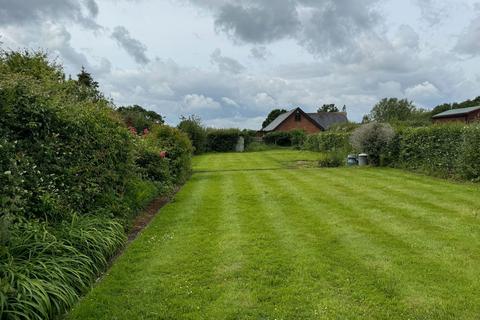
74, 171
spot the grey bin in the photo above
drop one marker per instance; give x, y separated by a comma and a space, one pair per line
363, 159
352, 160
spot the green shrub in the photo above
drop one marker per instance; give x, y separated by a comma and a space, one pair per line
332, 159
295, 138
222, 140
328, 141
197, 134
373, 139
178, 147
469, 154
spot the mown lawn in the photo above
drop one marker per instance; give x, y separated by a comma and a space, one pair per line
280, 243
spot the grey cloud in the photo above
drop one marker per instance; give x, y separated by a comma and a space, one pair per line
259, 21
469, 40
132, 46
226, 64
432, 11
259, 52
20, 12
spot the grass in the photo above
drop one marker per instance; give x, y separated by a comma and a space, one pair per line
342, 243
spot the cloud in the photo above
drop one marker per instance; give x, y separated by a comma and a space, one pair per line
132, 46
260, 52
22, 12
469, 39
432, 11
194, 102
260, 21
226, 64
422, 92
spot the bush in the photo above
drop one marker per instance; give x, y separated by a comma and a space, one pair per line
328, 141
469, 154
332, 159
294, 138
222, 140
372, 138
197, 134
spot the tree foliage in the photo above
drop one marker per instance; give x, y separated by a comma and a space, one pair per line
372, 138
328, 108
139, 118
272, 116
193, 127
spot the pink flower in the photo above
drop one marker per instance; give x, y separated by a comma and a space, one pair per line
163, 154
133, 130
145, 131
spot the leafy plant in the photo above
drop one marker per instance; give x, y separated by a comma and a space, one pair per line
372, 138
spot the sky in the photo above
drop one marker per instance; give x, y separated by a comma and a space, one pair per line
232, 61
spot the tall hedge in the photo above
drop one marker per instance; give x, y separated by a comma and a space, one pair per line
71, 177
222, 140
441, 150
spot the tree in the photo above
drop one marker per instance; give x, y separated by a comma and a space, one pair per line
86, 79
197, 134
139, 118
449, 106
272, 116
392, 110
328, 108
87, 88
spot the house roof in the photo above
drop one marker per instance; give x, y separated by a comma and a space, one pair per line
456, 112
275, 123
327, 119
323, 120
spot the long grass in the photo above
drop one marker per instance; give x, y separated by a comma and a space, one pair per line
44, 269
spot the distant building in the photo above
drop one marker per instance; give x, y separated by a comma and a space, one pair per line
464, 115
297, 119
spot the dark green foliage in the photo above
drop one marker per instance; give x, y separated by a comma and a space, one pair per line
294, 138
249, 136
222, 140
449, 106
71, 178
193, 127
402, 112
328, 108
140, 119
178, 147
443, 150
328, 141
272, 116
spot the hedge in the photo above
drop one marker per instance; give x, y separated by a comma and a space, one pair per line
440, 150
295, 138
222, 140
71, 178
328, 141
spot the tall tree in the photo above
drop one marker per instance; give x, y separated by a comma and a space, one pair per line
272, 116
392, 110
328, 108
87, 87
86, 79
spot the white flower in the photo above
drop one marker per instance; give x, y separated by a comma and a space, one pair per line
8, 172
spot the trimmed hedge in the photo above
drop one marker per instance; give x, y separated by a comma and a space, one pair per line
222, 140
328, 141
295, 138
440, 150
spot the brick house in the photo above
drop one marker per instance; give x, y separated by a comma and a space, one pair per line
297, 119
464, 115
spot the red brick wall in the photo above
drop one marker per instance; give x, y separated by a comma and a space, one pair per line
290, 124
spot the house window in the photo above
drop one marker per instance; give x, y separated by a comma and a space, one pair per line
298, 116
